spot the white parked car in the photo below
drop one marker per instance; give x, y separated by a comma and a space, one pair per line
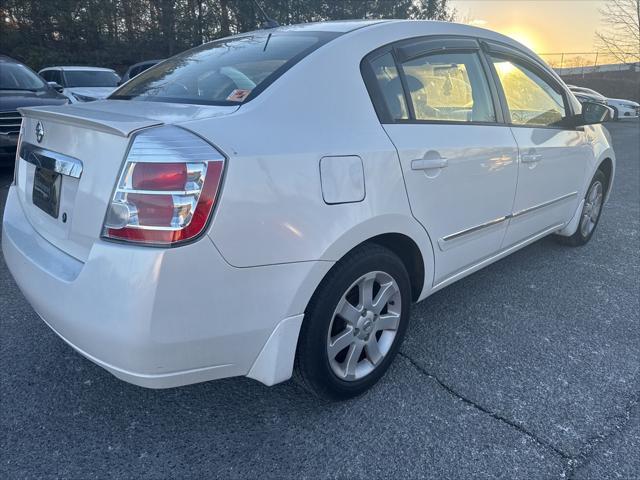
82, 84
621, 108
279, 199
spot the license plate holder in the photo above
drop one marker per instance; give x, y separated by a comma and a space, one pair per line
46, 191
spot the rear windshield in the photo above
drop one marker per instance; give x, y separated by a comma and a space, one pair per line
224, 72
14, 76
90, 78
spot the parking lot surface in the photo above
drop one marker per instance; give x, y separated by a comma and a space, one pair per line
527, 369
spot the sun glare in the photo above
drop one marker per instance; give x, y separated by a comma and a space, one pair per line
523, 37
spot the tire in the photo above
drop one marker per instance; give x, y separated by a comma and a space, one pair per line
338, 370
593, 203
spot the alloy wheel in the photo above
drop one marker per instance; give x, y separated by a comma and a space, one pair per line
364, 326
592, 208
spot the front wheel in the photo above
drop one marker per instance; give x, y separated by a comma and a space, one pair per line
591, 211
354, 324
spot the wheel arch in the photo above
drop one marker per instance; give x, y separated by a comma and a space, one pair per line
401, 234
607, 167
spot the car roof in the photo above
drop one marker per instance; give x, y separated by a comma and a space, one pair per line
338, 26
86, 69
6, 59
438, 27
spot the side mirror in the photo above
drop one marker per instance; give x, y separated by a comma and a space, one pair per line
593, 113
56, 86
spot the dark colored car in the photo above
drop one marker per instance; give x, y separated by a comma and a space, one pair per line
137, 68
19, 87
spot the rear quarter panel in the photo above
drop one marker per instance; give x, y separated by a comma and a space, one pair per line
271, 209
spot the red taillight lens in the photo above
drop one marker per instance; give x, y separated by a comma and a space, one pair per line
159, 176
167, 190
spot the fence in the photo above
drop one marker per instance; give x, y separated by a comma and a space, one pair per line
599, 72
582, 63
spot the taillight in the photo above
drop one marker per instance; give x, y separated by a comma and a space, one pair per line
167, 189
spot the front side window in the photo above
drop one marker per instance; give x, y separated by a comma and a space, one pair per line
90, 78
530, 99
449, 87
224, 72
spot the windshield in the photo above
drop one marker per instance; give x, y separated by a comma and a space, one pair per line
225, 72
15, 76
90, 78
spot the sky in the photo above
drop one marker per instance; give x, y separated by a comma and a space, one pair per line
546, 26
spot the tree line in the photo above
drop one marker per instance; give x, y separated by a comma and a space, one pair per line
117, 33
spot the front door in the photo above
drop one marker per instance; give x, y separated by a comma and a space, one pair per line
553, 159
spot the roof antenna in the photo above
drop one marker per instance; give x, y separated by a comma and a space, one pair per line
268, 21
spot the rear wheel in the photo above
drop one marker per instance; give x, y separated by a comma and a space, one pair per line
354, 324
591, 211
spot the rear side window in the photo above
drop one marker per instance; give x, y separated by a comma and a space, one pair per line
530, 99
390, 85
225, 72
449, 87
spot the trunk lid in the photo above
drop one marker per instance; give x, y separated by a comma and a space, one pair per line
96, 137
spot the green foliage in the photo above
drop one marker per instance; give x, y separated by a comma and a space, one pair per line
117, 33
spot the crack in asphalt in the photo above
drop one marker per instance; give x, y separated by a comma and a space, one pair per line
567, 458
572, 462
597, 440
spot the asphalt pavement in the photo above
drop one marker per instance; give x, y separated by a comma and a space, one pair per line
527, 369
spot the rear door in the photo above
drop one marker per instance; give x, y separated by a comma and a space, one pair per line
435, 101
553, 157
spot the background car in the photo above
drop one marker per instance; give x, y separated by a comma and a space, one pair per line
82, 84
19, 87
137, 69
587, 93
621, 108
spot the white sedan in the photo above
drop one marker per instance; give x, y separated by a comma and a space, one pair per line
277, 200
82, 84
621, 108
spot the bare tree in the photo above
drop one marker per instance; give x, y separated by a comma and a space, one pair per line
620, 37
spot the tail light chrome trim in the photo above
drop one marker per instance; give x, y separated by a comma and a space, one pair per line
167, 189
17, 159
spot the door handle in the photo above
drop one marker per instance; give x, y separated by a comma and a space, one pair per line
423, 164
531, 157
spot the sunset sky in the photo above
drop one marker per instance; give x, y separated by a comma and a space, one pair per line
546, 26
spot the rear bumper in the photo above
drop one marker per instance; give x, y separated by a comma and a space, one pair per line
153, 317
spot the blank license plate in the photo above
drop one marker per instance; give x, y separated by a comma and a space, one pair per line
46, 191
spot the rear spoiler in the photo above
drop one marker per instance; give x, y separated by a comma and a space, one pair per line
81, 116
